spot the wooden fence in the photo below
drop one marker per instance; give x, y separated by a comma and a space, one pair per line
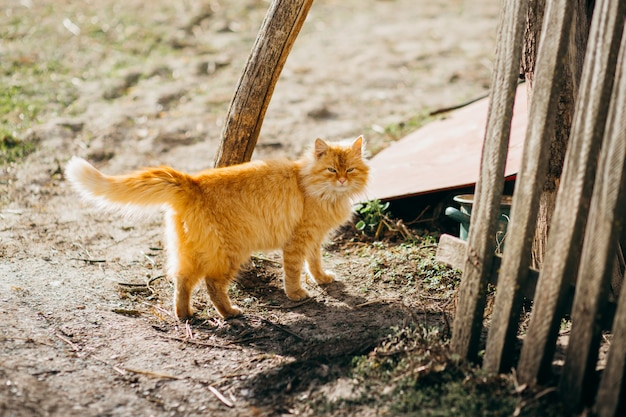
590, 208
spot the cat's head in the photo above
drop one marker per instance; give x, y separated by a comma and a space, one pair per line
338, 169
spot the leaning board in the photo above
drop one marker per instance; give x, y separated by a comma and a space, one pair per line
444, 154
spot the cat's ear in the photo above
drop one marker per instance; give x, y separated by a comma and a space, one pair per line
321, 148
357, 146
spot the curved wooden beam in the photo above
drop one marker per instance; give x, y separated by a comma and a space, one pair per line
278, 32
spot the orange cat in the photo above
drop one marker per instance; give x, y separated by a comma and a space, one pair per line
216, 218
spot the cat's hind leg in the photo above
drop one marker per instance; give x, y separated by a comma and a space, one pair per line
182, 267
218, 291
293, 259
220, 272
314, 264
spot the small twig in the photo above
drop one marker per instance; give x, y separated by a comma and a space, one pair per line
130, 284
152, 261
11, 211
91, 261
378, 300
290, 306
426, 297
26, 339
264, 259
68, 341
188, 330
247, 339
396, 351
127, 312
457, 106
519, 388
119, 370
151, 280
410, 311
419, 216
279, 327
434, 245
518, 409
200, 343
150, 373
221, 397
159, 309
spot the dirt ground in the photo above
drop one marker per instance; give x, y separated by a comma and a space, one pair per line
86, 327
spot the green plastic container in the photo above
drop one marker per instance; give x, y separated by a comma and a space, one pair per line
464, 213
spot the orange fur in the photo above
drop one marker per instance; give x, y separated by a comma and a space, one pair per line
216, 218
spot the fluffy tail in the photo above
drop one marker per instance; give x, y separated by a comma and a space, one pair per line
152, 186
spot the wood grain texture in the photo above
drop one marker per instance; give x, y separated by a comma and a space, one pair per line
605, 215
479, 256
256, 85
530, 180
572, 206
451, 251
611, 398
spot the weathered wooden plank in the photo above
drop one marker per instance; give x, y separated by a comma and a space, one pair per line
451, 251
516, 259
572, 206
479, 256
606, 216
278, 32
611, 398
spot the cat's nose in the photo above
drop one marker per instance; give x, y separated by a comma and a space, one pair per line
342, 180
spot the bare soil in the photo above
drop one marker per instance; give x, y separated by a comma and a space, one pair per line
86, 327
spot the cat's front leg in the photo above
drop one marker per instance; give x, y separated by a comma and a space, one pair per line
314, 263
293, 260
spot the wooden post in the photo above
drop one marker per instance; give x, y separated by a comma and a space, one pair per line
611, 397
480, 247
606, 217
568, 224
530, 180
256, 85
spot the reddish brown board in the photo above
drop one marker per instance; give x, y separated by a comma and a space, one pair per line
444, 154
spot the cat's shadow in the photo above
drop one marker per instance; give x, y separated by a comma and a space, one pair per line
337, 290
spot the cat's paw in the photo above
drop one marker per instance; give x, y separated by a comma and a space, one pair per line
183, 313
326, 278
233, 311
297, 295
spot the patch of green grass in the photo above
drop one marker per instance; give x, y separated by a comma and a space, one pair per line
379, 137
18, 111
413, 373
12, 149
399, 130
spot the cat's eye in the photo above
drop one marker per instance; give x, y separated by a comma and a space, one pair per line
333, 170
349, 169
